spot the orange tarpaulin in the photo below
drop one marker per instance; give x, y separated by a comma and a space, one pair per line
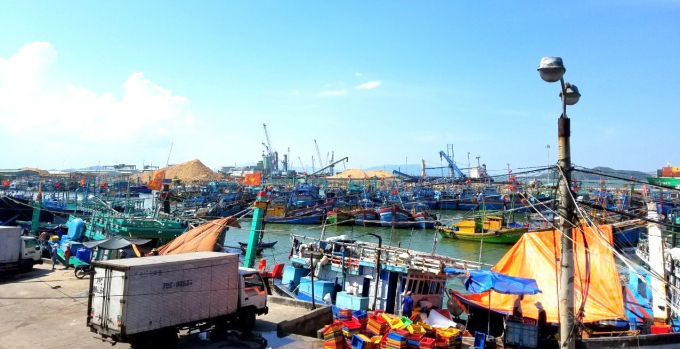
200, 239
253, 179
533, 256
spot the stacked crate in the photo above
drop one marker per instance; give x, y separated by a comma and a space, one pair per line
333, 338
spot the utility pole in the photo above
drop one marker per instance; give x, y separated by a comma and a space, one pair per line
552, 69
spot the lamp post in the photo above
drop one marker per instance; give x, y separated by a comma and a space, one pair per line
547, 148
551, 70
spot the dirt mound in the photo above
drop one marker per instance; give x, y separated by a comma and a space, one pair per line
40, 172
193, 170
354, 173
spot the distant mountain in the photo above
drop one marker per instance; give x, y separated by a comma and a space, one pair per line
637, 175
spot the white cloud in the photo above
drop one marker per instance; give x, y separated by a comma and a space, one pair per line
357, 74
295, 93
333, 93
368, 85
146, 118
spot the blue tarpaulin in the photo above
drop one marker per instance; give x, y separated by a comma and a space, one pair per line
479, 281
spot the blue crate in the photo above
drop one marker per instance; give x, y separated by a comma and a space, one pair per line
521, 335
480, 340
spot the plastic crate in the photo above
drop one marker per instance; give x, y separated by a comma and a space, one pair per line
406, 321
415, 329
359, 341
480, 340
427, 343
397, 324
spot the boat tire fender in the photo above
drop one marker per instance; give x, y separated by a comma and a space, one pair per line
497, 233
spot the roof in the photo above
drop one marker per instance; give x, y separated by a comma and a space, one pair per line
18, 172
182, 257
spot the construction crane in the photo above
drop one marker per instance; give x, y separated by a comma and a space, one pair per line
329, 166
318, 153
404, 175
454, 171
302, 165
271, 157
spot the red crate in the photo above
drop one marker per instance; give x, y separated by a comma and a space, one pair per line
660, 329
427, 343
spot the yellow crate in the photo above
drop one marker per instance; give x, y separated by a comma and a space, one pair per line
416, 329
449, 332
396, 324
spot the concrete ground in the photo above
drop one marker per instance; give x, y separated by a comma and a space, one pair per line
47, 309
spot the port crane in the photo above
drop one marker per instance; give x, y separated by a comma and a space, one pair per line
271, 157
318, 153
330, 165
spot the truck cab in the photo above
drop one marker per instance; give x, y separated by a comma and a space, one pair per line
253, 291
31, 250
18, 252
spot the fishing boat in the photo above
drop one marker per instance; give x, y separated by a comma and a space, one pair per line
366, 217
491, 230
362, 275
423, 218
261, 245
338, 217
395, 217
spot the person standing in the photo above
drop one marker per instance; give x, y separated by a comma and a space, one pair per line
517, 307
53, 254
407, 307
67, 255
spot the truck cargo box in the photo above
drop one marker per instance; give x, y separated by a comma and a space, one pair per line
10, 244
135, 295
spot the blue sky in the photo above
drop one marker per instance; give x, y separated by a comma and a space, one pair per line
88, 82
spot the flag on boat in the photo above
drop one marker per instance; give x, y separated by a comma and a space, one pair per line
157, 182
253, 179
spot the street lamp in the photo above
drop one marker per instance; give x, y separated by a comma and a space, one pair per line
551, 70
547, 147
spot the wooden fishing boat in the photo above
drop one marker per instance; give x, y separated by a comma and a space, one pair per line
338, 217
366, 217
492, 230
395, 217
261, 245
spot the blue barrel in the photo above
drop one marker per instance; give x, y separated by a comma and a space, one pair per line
84, 254
76, 228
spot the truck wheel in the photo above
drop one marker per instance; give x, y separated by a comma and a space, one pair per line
166, 338
26, 265
247, 321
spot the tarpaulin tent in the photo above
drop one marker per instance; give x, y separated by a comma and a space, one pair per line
536, 256
478, 281
200, 239
115, 243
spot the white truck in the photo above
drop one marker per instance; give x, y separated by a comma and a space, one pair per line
146, 301
18, 252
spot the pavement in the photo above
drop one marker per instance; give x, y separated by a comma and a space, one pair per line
47, 309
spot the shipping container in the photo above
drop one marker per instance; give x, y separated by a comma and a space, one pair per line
667, 171
134, 296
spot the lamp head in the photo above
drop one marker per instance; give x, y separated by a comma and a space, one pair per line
572, 95
551, 69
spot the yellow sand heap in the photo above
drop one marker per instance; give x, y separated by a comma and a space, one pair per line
359, 174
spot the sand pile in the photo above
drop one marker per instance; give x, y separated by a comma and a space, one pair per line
40, 172
193, 170
359, 174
